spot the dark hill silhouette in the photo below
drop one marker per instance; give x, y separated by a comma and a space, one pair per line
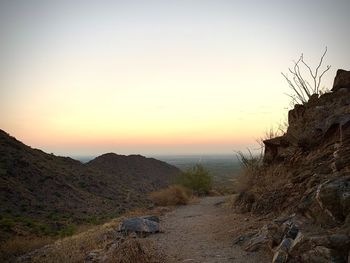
142, 174
44, 193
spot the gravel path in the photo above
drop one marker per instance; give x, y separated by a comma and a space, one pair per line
202, 233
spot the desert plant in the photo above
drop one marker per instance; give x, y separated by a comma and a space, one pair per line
251, 165
304, 87
197, 179
136, 251
249, 161
173, 195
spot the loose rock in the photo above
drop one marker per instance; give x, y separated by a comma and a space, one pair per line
140, 225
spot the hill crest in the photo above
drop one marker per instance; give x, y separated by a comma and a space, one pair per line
53, 192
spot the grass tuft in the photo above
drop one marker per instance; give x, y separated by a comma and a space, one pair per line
136, 251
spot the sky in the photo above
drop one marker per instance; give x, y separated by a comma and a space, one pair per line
158, 77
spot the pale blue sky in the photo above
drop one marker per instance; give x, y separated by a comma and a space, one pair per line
85, 77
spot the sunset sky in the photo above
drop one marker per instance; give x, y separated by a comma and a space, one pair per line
157, 77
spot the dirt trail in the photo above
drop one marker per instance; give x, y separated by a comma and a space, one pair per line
202, 233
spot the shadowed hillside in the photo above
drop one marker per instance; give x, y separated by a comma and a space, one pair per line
42, 193
142, 174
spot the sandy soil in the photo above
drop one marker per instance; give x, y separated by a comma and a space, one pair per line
204, 233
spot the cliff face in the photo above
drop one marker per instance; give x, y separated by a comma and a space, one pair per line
305, 179
316, 153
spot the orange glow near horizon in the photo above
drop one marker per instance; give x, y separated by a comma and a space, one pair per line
98, 139
172, 77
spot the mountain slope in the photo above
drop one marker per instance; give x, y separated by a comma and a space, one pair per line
47, 192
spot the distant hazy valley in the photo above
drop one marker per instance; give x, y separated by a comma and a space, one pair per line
223, 167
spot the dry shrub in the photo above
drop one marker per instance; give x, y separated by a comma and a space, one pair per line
254, 175
173, 195
242, 182
75, 248
262, 190
136, 251
259, 179
251, 168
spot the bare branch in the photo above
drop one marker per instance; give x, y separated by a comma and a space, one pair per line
320, 77
321, 60
299, 84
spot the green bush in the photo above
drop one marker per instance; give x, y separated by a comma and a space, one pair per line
197, 179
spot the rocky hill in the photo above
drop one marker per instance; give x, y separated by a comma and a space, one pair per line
42, 193
142, 174
304, 183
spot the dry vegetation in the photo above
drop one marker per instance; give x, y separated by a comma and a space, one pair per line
252, 164
250, 170
258, 178
305, 81
136, 251
195, 181
19, 245
171, 196
75, 248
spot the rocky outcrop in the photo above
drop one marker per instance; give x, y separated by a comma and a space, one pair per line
306, 173
323, 122
342, 80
